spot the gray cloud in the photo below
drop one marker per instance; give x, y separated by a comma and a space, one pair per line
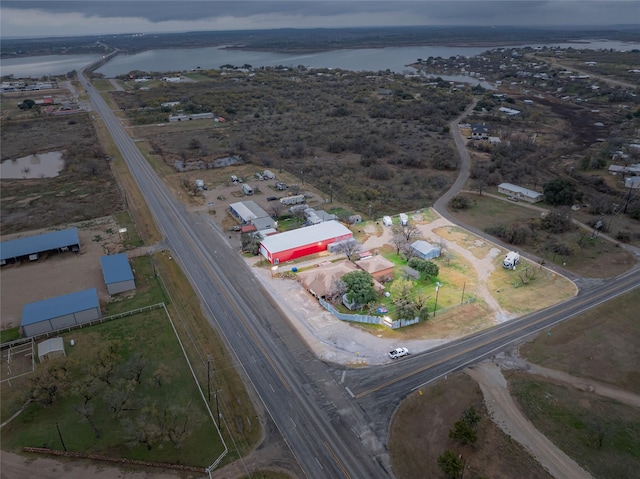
26, 18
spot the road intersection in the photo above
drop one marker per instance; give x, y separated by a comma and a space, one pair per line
334, 423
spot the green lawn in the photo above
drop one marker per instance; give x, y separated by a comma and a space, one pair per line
148, 289
122, 411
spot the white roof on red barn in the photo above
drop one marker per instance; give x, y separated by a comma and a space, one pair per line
305, 235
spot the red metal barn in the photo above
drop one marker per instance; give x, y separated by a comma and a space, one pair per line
303, 241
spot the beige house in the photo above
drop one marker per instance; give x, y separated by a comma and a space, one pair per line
377, 266
319, 281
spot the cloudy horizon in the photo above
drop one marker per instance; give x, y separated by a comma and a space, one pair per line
99, 17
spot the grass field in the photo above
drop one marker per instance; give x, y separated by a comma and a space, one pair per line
124, 390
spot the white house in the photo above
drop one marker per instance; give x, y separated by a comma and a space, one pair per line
520, 193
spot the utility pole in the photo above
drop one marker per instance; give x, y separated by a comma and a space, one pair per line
209, 379
436, 305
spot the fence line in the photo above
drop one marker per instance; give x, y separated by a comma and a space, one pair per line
365, 318
17, 342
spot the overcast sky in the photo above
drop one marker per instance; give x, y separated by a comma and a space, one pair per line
25, 18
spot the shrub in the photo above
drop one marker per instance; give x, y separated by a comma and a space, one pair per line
459, 203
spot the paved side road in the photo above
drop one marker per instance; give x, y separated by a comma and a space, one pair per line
508, 417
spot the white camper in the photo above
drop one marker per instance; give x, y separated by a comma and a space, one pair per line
386, 220
511, 260
404, 219
246, 189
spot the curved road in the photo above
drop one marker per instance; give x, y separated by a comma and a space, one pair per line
332, 430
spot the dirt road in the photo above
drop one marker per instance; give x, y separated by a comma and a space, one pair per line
509, 418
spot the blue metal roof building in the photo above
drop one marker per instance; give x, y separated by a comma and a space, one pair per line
31, 246
117, 273
60, 312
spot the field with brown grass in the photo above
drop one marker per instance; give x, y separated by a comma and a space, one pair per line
420, 428
84, 189
585, 255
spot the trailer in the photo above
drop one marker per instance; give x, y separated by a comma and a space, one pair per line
246, 189
511, 260
292, 200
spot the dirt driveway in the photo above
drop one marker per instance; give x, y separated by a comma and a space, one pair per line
506, 414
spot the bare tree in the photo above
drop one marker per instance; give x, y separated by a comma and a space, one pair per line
49, 382
338, 288
479, 185
397, 237
349, 247
276, 209
411, 232
86, 412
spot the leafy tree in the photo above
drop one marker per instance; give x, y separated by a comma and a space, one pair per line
459, 203
463, 433
451, 464
428, 268
401, 289
406, 310
471, 416
359, 287
465, 429
27, 104
560, 192
424, 313
251, 242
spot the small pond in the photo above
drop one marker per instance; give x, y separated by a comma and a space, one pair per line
42, 165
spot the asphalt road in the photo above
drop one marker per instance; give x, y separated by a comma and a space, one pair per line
334, 429
325, 429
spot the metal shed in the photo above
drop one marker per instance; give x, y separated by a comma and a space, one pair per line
117, 273
51, 348
425, 250
60, 312
32, 246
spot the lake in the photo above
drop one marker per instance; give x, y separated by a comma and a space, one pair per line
27, 67
395, 59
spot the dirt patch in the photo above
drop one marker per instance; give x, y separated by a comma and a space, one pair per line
420, 433
60, 274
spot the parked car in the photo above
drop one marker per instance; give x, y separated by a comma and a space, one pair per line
398, 353
272, 198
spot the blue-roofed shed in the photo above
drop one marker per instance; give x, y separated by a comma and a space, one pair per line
117, 273
32, 246
60, 312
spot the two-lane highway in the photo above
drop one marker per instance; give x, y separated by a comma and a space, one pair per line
333, 432
323, 427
